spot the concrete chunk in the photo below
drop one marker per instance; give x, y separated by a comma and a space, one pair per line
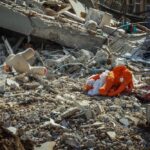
46, 146
14, 21
70, 112
112, 135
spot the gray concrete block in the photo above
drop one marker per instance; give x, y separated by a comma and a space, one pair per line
14, 21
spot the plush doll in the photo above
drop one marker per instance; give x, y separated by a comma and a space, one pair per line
20, 63
111, 83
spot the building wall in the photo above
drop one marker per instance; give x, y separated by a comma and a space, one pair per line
133, 6
136, 6
147, 5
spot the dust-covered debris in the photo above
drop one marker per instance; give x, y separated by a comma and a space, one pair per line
53, 111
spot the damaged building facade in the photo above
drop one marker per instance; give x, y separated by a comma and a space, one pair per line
136, 10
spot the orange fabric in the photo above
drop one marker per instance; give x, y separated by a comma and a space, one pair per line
95, 77
109, 83
117, 81
122, 86
113, 85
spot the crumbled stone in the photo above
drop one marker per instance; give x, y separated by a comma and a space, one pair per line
112, 135
124, 122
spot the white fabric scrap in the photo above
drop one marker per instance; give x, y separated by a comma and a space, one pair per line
98, 84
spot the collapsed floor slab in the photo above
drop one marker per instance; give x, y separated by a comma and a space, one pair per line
14, 21
65, 32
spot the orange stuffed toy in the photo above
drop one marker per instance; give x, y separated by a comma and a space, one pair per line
95, 82
117, 81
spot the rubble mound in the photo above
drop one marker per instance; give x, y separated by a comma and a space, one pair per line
9, 141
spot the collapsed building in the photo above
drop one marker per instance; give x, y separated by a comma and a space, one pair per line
55, 28
73, 39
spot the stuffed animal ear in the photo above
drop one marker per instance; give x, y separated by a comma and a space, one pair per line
28, 53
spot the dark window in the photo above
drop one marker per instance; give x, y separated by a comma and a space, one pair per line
138, 1
137, 8
148, 9
116, 5
130, 1
130, 8
148, 2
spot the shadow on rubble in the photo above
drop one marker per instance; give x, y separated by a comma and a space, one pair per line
144, 130
24, 41
9, 141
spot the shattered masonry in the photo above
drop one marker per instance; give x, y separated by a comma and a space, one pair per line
48, 51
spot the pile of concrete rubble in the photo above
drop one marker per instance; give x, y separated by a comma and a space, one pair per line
73, 40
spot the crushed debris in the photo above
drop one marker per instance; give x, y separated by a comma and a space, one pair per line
48, 54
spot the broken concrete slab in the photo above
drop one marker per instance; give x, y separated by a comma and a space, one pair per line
68, 36
46, 146
63, 31
15, 21
112, 135
94, 15
106, 19
78, 7
100, 17
12, 129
